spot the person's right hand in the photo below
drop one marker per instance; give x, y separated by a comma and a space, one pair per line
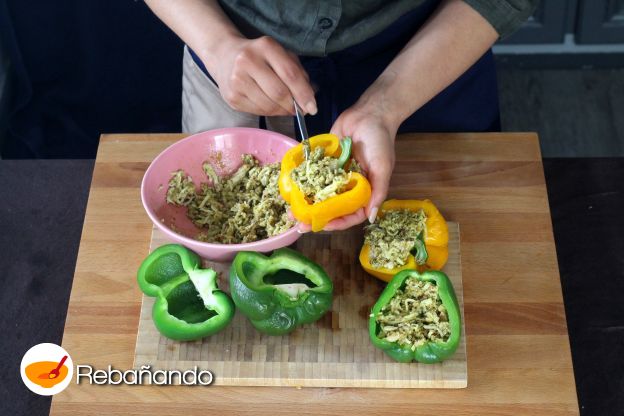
259, 76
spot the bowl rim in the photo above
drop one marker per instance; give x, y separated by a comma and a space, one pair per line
191, 241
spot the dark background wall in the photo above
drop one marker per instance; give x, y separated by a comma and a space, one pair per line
80, 68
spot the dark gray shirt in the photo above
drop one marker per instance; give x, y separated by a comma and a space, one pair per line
319, 27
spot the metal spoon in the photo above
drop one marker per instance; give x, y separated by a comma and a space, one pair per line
303, 130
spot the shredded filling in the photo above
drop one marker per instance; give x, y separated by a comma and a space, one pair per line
320, 177
414, 316
392, 238
241, 208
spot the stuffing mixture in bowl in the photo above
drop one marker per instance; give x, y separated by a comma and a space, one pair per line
414, 316
392, 238
241, 208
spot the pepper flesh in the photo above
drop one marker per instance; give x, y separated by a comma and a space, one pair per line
429, 352
275, 299
355, 196
188, 304
436, 239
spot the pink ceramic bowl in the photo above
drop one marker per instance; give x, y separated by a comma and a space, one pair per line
224, 148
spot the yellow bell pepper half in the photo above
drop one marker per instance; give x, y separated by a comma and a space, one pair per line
356, 195
436, 239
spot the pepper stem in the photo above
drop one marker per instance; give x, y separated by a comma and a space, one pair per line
345, 147
420, 250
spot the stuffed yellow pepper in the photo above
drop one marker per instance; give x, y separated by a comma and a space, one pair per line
408, 234
324, 185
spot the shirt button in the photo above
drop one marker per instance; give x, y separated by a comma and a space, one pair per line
325, 23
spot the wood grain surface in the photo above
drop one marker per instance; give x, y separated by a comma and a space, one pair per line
335, 351
491, 183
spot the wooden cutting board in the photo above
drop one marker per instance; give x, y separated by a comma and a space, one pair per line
332, 352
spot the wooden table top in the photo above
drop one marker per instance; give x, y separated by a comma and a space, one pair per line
517, 343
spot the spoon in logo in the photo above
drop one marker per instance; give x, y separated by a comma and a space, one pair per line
54, 373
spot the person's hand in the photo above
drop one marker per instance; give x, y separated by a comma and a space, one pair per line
373, 143
259, 76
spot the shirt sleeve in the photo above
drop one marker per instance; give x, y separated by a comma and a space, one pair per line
505, 16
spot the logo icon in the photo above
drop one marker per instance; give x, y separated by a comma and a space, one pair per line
46, 369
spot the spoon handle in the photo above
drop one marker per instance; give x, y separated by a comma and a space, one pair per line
60, 364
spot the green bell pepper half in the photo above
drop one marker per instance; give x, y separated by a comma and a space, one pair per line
430, 352
279, 292
188, 304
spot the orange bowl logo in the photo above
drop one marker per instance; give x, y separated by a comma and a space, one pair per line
46, 369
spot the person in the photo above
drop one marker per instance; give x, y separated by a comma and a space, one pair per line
368, 69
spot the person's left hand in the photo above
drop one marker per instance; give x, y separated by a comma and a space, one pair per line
373, 143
